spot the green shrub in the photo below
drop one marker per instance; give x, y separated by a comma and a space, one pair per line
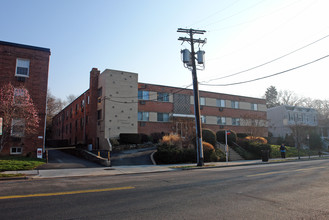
209, 136
170, 154
290, 152
114, 142
254, 148
220, 135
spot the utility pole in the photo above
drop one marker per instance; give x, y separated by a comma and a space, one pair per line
189, 60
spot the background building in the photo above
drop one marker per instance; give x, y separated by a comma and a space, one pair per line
27, 66
283, 118
116, 103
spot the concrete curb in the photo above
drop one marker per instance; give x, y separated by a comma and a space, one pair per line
152, 158
127, 170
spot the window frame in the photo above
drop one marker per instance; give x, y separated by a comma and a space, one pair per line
143, 116
254, 106
235, 104
203, 119
236, 122
143, 95
220, 103
164, 119
222, 120
18, 60
202, 101
163, 97
20, 95
20, 151
15, 133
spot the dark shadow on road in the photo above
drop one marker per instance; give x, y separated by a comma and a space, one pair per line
133, 157
60, 160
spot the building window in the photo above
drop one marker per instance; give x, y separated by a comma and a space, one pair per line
88, 100
254, 107
17, 127
143, 116
81, 123
99, 114
234, 104
203, 119
76, 125
86, 119
70, 128
220, 103
143, 95
76, 108
202, 101
82, 105
221, 120
163, 97
236, 121
22, 67
16, 150
19, 95
163, 117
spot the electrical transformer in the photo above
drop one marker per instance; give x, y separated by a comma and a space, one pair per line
186, 55
200, 56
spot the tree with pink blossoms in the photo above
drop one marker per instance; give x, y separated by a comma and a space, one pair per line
18, 114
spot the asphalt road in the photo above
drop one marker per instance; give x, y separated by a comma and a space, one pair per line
60, 160
296, 190
133, 157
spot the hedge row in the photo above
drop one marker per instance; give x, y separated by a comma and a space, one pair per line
172, 155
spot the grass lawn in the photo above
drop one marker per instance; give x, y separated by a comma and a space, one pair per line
290, 152
13, 163
4, 175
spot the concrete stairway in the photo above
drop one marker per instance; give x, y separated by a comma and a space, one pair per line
232, 155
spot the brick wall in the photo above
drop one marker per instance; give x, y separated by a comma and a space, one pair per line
244, 111
36, 84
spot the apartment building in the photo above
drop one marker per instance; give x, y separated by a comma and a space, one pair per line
26, 67
117, 103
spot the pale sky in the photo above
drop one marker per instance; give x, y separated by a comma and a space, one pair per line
141, 37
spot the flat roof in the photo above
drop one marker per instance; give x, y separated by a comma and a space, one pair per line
24, 46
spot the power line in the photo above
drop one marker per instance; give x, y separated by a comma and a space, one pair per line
201, 20
255, 19
264, 77
223, 19
268, 62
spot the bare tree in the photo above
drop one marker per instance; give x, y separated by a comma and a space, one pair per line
19, 115
69, 99
54, 105
287, 97
255, 125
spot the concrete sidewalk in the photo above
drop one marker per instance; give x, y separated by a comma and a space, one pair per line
119, 170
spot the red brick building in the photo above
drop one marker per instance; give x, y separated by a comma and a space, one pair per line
26, 66
116, 103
